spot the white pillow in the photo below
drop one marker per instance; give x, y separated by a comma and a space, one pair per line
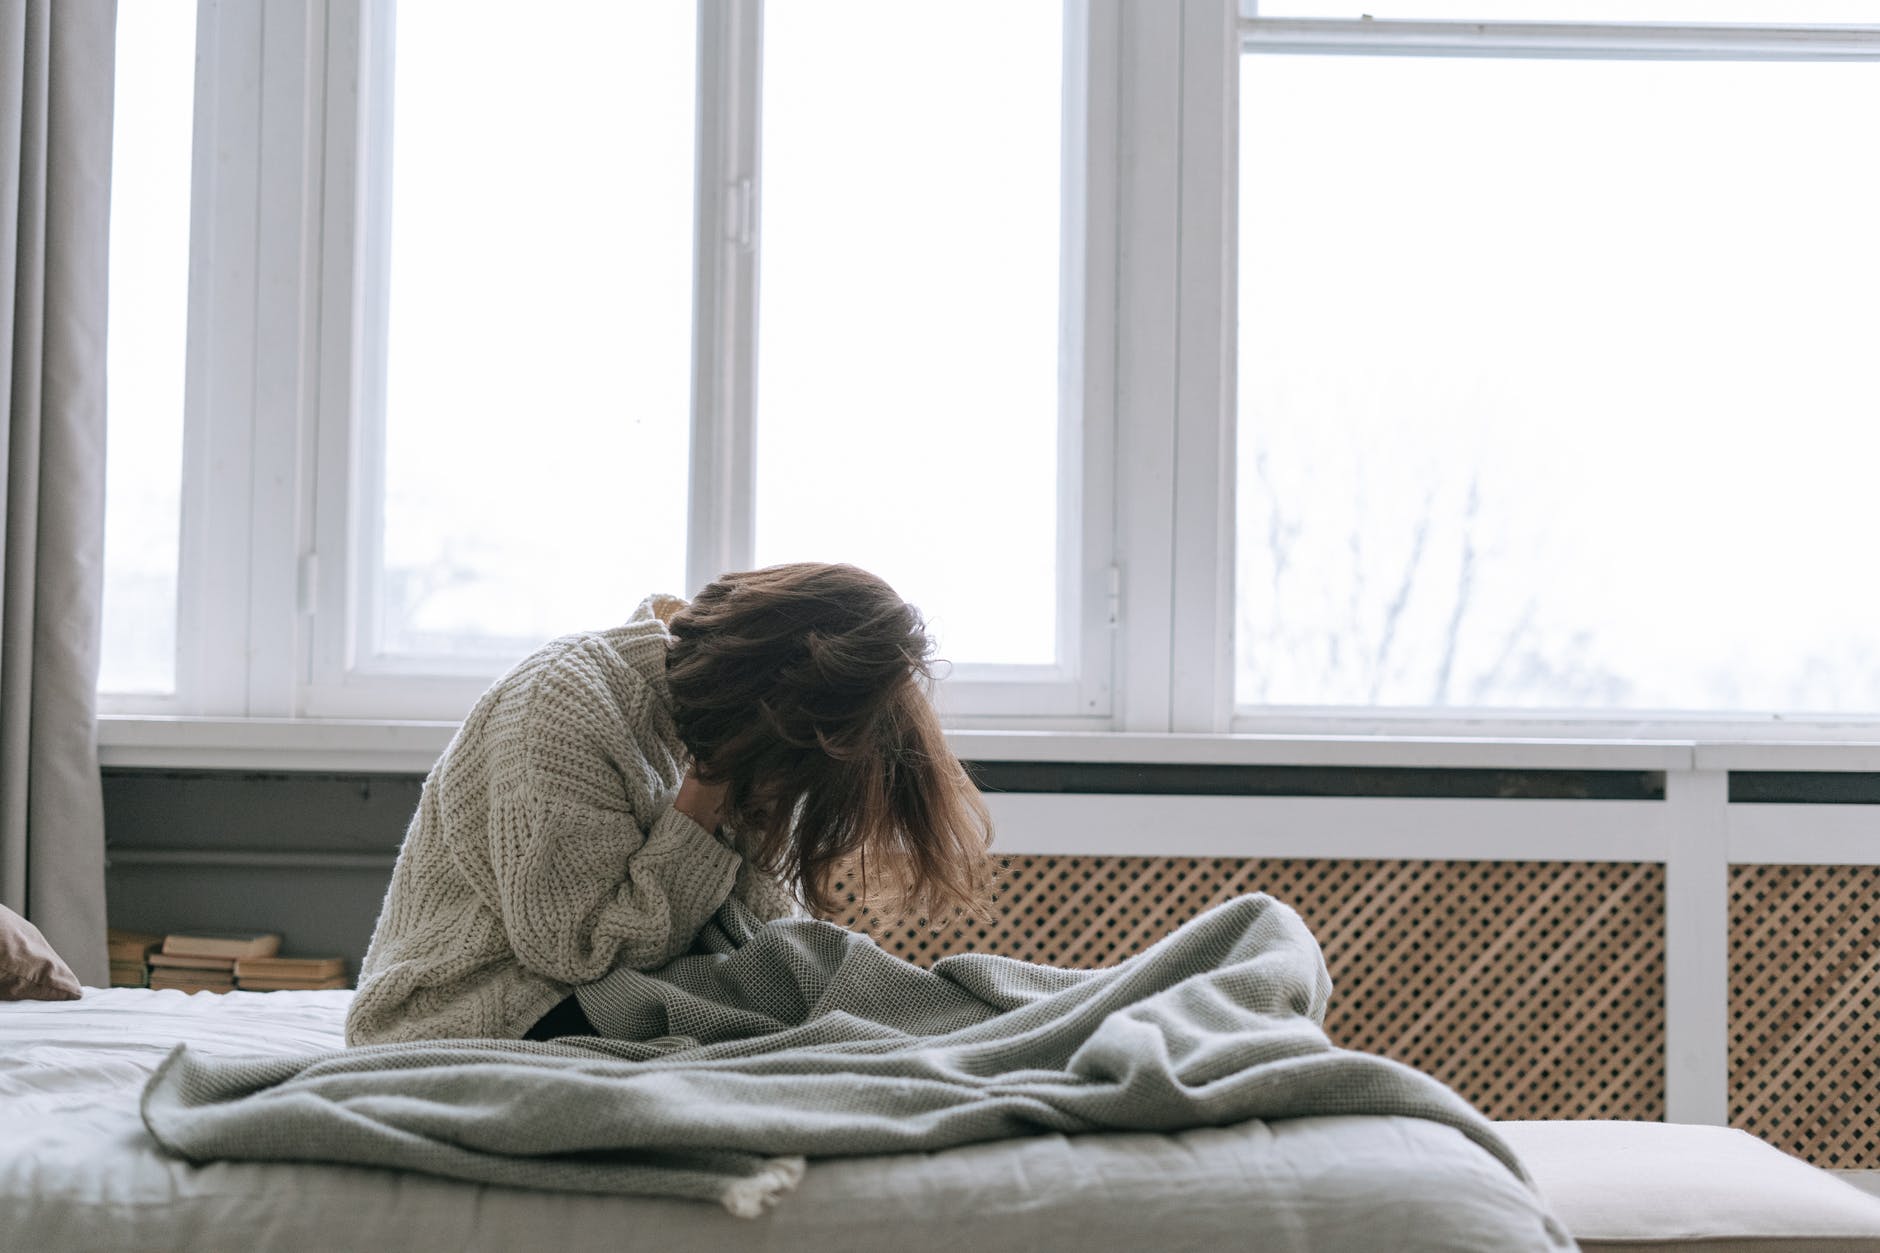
1653, 1186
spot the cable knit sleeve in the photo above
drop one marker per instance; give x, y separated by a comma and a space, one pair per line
593, 868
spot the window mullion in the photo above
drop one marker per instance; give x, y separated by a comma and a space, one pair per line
347, 365
1148, 221
216, 552
1202, 652
721, 530
286, 315
1089, 579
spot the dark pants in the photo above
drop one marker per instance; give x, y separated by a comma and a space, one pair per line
565, 1019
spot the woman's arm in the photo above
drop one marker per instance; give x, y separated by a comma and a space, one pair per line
704, 803
583, 890
593, 862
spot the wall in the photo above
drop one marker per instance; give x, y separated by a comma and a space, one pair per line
307, 855
310, 854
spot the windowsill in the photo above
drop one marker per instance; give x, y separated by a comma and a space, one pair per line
343, 745
396, 747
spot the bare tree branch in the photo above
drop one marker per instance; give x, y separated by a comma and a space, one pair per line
1465, 591
1279, 542
1393, 613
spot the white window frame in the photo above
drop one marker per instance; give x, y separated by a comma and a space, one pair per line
1255, 36
276, 344
287, 336
721, 523
252, 317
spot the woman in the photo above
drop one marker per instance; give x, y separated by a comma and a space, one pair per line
604, 797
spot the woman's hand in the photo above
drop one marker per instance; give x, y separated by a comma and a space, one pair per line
703, 803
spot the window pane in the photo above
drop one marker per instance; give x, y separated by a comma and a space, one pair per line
1693, 12
148, 294
908, 378
538, 353
1557, 384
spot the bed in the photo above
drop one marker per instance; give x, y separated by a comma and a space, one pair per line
78, 1171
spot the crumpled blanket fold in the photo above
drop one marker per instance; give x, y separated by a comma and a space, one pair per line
768, 1044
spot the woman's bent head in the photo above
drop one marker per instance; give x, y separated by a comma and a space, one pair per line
803, 690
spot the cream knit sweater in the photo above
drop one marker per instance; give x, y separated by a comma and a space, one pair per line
545, 851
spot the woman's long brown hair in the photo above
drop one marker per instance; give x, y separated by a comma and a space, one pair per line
804, 690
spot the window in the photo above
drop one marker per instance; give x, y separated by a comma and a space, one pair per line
149, 304
907, 398
481, 366
1195, 368
523, 436
1552, 388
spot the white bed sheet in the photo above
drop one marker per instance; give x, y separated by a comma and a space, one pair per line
78, 1171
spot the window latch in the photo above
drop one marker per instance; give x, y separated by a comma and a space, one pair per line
741, 215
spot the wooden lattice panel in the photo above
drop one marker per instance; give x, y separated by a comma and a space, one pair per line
1534, 989
1805, 1010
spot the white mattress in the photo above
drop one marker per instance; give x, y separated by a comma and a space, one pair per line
78, 1171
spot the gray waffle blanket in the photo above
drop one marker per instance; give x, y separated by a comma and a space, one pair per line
772, 1043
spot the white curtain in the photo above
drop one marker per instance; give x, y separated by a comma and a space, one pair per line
56, 62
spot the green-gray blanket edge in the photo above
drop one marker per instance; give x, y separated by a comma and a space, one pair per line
768, 1044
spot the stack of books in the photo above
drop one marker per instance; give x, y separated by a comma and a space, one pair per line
204, 961
130, 953
279, 974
